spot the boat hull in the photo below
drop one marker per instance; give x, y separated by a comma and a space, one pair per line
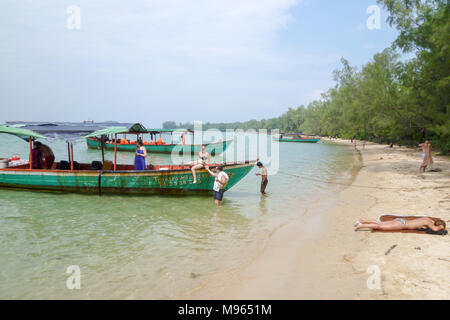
119, 182
212, 148
298, 140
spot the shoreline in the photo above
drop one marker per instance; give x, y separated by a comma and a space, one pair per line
319, 256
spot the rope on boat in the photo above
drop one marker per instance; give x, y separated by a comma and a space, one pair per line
100, 184
360, 186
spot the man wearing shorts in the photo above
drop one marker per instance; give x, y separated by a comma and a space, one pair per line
221, 180
263, 175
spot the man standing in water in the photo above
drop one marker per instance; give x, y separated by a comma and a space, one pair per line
426, 156
219, 183
263, 175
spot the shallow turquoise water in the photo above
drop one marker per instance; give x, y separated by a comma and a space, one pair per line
149, 247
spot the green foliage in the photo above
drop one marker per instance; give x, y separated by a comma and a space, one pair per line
169, 125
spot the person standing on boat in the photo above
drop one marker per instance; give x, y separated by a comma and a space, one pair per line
219, 183
36, 156
46, 154
200, 163
141, 154
263, 175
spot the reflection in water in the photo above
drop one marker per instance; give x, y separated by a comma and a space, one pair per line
262, 204
147, 246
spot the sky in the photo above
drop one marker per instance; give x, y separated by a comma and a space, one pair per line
182, 60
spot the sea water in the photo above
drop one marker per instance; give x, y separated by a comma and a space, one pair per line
151, 247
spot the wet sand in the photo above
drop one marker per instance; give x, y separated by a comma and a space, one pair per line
320, 256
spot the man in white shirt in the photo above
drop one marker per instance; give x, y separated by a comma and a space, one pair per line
219, 183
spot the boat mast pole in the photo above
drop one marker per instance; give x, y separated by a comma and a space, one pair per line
68, 150
31, 155
71, 156
115, 151
103, 149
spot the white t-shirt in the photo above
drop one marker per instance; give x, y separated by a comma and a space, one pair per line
217, 184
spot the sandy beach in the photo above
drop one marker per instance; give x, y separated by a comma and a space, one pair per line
321, 256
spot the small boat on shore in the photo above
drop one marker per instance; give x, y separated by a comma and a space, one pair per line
106, 177
111, 142
296, 137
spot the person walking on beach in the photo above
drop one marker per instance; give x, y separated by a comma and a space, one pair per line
141, 154
400, 224
204, 159
426, 156
221, 180
48, 158
263, 175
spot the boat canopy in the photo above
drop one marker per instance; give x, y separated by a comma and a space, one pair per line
159, 130
107, 131
135, 128
292, 134
21, 133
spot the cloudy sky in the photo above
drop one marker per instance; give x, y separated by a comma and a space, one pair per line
155, 60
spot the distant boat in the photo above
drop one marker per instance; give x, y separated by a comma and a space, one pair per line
94, 141
213, 148
296, 137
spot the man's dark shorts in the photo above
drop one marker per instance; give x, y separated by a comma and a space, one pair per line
218, 195
264, 185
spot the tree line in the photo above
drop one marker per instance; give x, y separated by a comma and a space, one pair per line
390, 98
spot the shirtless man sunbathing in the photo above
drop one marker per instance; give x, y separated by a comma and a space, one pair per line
400, 224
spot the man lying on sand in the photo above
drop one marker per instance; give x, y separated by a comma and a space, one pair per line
400, 224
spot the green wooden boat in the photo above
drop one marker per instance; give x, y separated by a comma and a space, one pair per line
297, 140
109, 178
295, 137
212, 148
171, 179
108, 137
